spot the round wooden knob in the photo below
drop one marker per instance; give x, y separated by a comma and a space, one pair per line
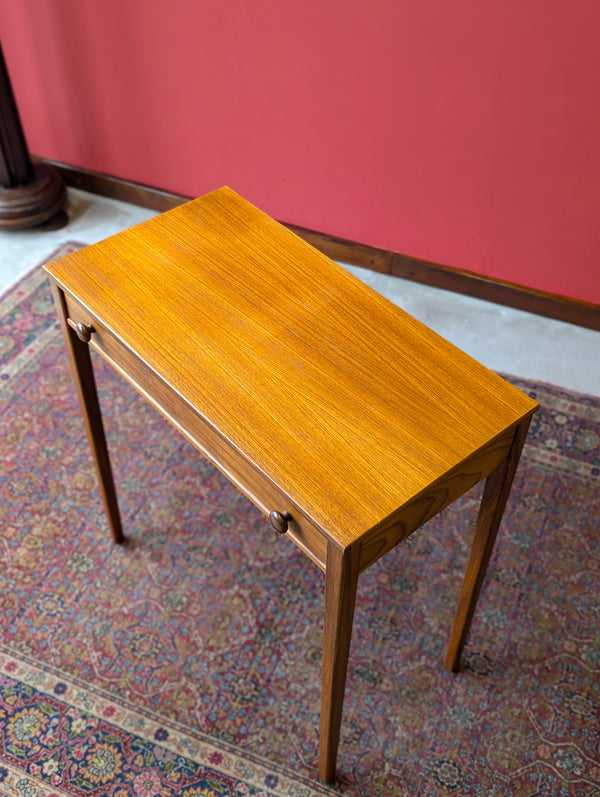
279, 521
84, 332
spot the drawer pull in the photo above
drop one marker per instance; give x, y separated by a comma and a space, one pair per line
279, 521
84, 332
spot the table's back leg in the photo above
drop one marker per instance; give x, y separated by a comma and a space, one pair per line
493, 502
83, 375
341, 580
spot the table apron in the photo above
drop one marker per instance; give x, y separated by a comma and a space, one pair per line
431, 501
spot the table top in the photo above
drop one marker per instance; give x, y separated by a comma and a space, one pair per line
349, 404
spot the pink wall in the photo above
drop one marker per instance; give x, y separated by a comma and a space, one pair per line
462, 132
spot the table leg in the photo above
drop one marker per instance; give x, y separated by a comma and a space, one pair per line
83, 375
341, 580
495, 494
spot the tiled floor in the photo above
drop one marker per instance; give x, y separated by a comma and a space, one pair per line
504, 339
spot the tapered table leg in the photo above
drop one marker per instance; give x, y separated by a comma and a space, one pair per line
83, 375
495, 494
341, 579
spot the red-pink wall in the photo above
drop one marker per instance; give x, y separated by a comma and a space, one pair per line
463, 132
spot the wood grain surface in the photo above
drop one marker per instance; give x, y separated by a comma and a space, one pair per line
350, 405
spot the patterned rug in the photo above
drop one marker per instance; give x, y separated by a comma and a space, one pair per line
188, 661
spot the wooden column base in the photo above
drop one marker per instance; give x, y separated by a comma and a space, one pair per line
38, 202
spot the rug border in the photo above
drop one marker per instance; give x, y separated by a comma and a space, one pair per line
37, 675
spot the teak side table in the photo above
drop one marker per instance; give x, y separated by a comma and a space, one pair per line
344, 419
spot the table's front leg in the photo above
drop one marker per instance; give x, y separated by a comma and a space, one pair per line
83, 375
341, 579
495, 494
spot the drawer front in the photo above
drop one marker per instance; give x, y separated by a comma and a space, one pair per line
198, 430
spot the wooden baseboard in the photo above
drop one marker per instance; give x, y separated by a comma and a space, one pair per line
116, 188
550, 305
561, 308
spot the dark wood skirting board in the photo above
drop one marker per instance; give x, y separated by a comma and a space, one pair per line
116, 188
561, 308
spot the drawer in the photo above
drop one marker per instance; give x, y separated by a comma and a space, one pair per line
255, 484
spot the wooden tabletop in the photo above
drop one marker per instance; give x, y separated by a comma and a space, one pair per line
348, 403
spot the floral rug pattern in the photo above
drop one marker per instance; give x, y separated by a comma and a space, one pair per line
188, 661
57, 733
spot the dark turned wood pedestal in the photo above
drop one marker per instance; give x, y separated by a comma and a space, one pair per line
31, 193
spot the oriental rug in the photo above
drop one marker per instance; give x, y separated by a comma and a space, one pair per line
187, 662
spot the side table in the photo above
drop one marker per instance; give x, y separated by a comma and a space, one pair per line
345, 420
